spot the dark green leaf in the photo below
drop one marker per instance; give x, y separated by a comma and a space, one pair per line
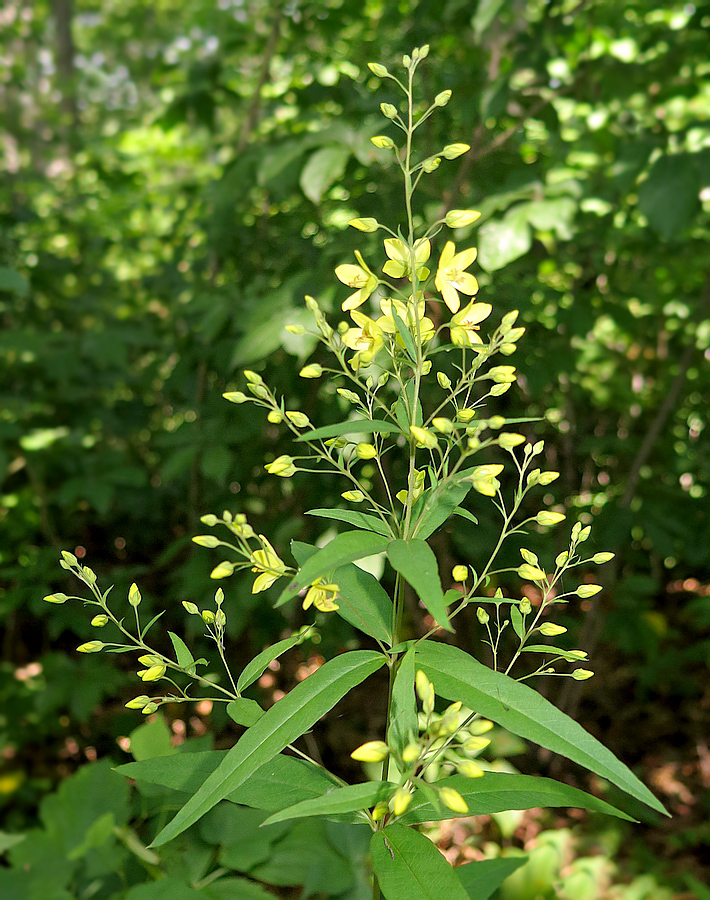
669, 196
244, 711
344, 548
256, 668
416, 563
498, 791
409, 867
183, 655
322, 170
403, 719
351, 798
363, 521
352, 426
281, 724
520, 709
482, 878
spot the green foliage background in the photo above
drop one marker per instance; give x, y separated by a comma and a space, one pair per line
177, 175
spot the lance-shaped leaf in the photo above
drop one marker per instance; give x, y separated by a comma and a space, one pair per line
344, 548
403, 717
352, 426
482, 878
255, 669
281, 782
440, 505
408, 865
520, 709
362, 600
351, 798
364, 521
281, 724
498, 791
416, 563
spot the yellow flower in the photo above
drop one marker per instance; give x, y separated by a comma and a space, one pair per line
322, 596
269, 566
464, 325
398, 264
451, 277
409, 317
359, 277
366, 339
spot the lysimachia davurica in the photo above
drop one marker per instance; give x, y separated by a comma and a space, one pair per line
408, 312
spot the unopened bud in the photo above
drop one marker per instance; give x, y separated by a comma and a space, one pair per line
582, 674
372, 751
378, 70
444, 380
235, 396
459, 573
588, 590
388, 110
383, 142
99, 621
442, 99
314, 370
549, 629
451, 151
91, 647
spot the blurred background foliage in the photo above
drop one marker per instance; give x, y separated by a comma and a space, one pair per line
177, 175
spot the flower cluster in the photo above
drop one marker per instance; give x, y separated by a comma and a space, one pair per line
445, 742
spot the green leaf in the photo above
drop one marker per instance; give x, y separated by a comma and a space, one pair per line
486, 11
322, 170
415, 561
151, 739
364, 603
552, 651
344, 548
498, 791
516, 620
440, 505
502, 241
465, 514
668, 198
399, 409
14, 283
520, 709
405, 334
352, 426
409, 867
351, 798
244, 711
281, 782
256, 668
9, 840
183, 655
482, 878
363, 521
281, 724
403, 719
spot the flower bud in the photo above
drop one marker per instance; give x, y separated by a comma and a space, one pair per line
423, 437
442, 99
465, 414
561, 559
274, 416
425, 691
366, 451
451, 151
259, 390
545, 517
252, 377
601, 558
442, 424
378, 811
382, 142
89, 575
295, 329
299, 419
353, 496
206, 540
588, 590
411, 753
549, 629
509, 439
372, 751
400, 801
482, 615
378, 70
222, 570
525, 606
431, 164
582, 674
469, 769
460, 218
191, 608
444, 380
451, 798
475, 744
210, 520
282, 466
498, 389
220, 618
406, 61
91, 647
530, 573
426, 367
388, 110
313, 370
547, 477
99, 621
459, 573
69, 558
138, 702
149, 708
208, 616
56, 598
235, 396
